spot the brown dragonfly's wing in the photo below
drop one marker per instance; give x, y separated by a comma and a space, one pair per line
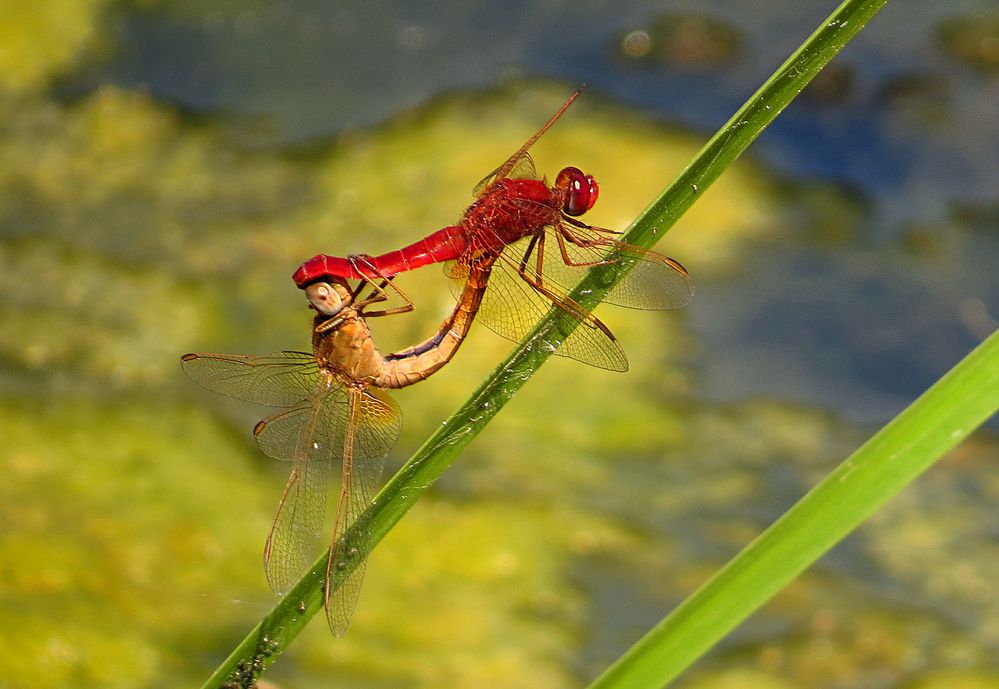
654, 281
310, 435
511, 308
372, 426
280, 379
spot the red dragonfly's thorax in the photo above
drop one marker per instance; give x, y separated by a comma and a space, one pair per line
512, 209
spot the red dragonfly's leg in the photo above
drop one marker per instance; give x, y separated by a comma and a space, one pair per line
537, 242
522, 267
580, 223
566, 304
539, 258
378, 292
560, 300
564, 233
673, 263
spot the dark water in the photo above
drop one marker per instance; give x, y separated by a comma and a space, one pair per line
164, 167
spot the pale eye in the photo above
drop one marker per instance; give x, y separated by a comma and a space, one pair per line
324, 298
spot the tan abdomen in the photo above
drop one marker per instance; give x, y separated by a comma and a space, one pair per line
420, 361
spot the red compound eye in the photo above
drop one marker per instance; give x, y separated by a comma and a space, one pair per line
581, 191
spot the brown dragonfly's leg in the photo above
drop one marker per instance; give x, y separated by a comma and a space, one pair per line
365, 267
389, 312
379, 295
376, 295
405, 308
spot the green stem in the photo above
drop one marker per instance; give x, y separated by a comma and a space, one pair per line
936, 422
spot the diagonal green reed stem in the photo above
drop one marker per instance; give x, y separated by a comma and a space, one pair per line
936, 422
277, 629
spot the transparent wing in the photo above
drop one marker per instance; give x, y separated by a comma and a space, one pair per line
511, 307
310, 435
372, 426
569, 249
518, 166
280, 379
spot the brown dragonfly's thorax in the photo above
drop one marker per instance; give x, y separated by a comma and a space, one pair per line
343, 344
510, 210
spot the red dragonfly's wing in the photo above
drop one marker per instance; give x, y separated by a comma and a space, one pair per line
280, 379
519, 165
511, 308
654, 281
565, 251
372, 426
534, 273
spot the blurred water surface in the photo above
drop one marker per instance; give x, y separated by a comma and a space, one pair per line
163, 169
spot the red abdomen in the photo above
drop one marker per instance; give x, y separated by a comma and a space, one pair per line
512, 209
443, 245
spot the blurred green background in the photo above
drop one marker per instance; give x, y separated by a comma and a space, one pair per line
164, 167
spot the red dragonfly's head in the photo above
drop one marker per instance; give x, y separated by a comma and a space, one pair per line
579, 191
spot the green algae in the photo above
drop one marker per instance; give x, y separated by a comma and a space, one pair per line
39, 41
119, 536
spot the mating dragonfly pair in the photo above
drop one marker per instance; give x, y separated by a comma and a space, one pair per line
513, 256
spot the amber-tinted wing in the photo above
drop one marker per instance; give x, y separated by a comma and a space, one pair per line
372, 426
654, 281
280, 379
532, 274
307, 436
317, 436
518, 166
511, 307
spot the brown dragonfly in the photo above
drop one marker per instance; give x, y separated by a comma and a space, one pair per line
332, 410
522, 236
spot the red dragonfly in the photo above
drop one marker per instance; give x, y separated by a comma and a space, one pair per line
523, 237
332, 409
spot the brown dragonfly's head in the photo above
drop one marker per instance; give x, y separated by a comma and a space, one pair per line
329, 298
579, 191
